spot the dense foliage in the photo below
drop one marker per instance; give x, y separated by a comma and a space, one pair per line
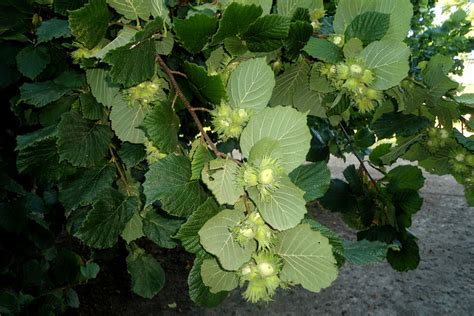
209, 126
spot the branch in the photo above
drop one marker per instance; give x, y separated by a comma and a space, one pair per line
188, 106
362, 164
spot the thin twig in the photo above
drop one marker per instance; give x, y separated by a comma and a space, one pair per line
188, 106
362, 164
174, 72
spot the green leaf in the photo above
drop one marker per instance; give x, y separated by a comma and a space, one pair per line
378, 152
334, 239
389, 62
365, 252
89, 23
437, 81
284, 208
399, 150
132, 9
195, 32
323, 50
217, 238
266, 33
198, 291
82, 142
298, 35
107, 219
90, 108
368, 27
31, 60
318, 82
26, 140
401, 12
235, 46
127, 118
286, 125
62, 6
162, 126
220, 176
159, 10
405, 177
148, 277
314, 179
216, 278
125, 70
168, 180
90, 270
124, 37
309, 101
352, 48
51, 29
466, 142
288, 7
251, 84
201, 156
288, 82
165, 46
188, 232
308, 258
40, 94
210, 87
160, 229
407, 258
266, 5
134, 228
401, 124
236, 20
102, 88
84, 186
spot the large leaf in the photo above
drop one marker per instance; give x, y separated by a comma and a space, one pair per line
148, 277
82, 142
84, 186
251, 84
51, 29
102, 88
365, 252
314, 179
160, 229
407, 257
220, 176
298, 35
168, 180
126, 119
400, 11
107, 219
89, 23
198, 291
308, 258
132, 9
31, 61
266, 5
40, 94
466, 142
162, 126
288, 7
236, 20
287, 83
134, 228
209, 86
284, 208
389, 62
159, 10
324, 50
266, 33
405, 177
125, 70
195, 31
284, 124
188, 232
368, 27
217, 238
123, 38
216, 278
401, 124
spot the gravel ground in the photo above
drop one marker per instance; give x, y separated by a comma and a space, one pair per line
443, 284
